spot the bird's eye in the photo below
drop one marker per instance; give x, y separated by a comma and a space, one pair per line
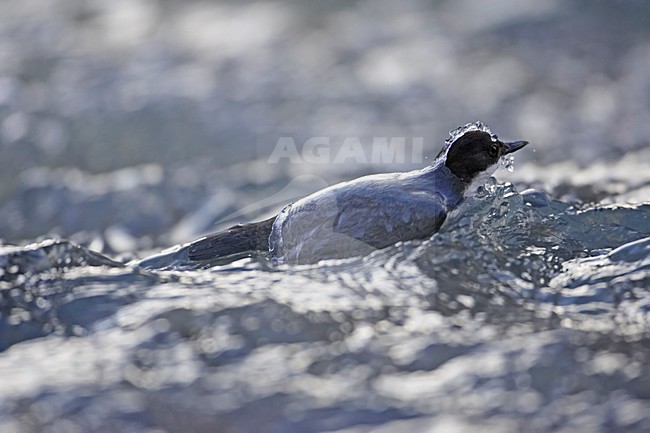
494, 151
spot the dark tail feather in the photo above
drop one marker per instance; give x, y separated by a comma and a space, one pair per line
237, 240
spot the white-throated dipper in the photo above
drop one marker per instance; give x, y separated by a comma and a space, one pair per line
356, 217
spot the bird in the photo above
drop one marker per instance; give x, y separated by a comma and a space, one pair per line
356, 217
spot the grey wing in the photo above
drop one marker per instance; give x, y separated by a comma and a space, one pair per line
398, 216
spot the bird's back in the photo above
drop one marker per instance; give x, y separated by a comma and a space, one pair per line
354, 218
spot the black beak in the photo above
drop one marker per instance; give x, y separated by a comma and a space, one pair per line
513, 146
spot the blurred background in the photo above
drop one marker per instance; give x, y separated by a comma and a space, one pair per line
136, 124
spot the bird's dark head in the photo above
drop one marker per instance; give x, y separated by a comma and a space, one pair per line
476, 152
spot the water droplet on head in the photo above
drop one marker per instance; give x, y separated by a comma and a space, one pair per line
460, 131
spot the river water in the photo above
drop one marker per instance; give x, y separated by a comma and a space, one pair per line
524, 312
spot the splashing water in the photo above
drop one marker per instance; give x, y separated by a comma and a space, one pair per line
488, 188
461, 130
509, 162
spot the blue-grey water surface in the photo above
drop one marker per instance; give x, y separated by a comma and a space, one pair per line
522, 313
